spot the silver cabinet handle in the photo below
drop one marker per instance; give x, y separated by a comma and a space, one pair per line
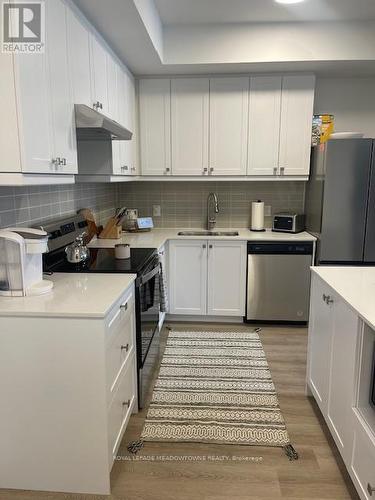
205, 170
96, 105
211, 170
204, 246
167, 170
63, 162
327, 299
274, 170
125, 347
126, 403
133, 169
210, 246
125, 167
282, 169
124, 306
370, 489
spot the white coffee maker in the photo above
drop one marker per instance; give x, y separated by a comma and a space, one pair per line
21, 267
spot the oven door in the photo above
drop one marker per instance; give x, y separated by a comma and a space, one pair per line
148, 292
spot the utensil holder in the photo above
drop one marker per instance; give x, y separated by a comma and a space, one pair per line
111, 230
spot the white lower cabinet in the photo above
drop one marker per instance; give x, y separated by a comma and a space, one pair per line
207, 277
74, 389
320, 339
226, 278
362, 465
342, 377
335, 362
188, 277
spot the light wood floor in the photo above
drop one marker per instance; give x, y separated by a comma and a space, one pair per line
318, 474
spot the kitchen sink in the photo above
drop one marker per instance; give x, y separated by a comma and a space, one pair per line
208, 233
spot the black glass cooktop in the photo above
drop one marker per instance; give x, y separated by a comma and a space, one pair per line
102, 260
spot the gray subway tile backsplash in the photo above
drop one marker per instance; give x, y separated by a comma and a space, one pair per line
183, 204
29, 205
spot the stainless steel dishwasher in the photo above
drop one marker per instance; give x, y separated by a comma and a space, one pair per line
278, 282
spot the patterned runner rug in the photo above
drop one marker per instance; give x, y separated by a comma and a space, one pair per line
216, 387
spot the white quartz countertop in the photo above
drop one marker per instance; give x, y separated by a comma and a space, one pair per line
355, 285
73, 295
156, 238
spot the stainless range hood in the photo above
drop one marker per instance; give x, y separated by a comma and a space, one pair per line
92, 125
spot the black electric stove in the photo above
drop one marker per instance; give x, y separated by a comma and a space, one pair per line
144, 262
102, 260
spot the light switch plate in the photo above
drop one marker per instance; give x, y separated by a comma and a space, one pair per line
156, 210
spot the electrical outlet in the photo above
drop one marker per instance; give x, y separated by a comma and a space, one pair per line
267, 210
156, 210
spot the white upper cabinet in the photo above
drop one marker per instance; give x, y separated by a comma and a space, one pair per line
42, 100
34, 113
62, 106
189, 124
227, 126
264, 125
155, 126
127, 102
229, 99
79, 60
98, 61
297, 101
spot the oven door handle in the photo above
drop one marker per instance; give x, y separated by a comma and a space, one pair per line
148, 276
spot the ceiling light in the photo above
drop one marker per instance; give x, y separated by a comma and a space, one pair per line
289, 1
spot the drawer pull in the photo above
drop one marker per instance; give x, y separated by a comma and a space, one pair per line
125, 347
370, 489
124, 306
126, 403
327, 299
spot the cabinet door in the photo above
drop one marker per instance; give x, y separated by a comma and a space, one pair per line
189, 118
229, 107
114, 109
264, 125
188, 277
297, 100
342, 377
128, 147
320, 338
155, 126
34, 112
98, 63
226, 278
62, 107
79, 60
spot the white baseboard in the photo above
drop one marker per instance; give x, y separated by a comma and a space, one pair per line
203, 319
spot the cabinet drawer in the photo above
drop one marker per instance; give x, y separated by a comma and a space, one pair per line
120, 341
363, 461
121, 408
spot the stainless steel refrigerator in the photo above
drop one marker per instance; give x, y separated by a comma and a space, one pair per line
340, 201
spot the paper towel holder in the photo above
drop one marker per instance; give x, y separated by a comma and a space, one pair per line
253, 223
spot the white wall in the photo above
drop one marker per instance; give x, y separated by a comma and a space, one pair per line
269, 42
351, 100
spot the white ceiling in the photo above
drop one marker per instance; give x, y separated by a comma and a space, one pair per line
154, 37
254, 11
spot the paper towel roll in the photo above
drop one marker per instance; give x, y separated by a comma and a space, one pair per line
257, 216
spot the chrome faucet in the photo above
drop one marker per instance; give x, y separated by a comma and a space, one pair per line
211, 218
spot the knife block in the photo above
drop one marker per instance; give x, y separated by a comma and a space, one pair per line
111, 230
